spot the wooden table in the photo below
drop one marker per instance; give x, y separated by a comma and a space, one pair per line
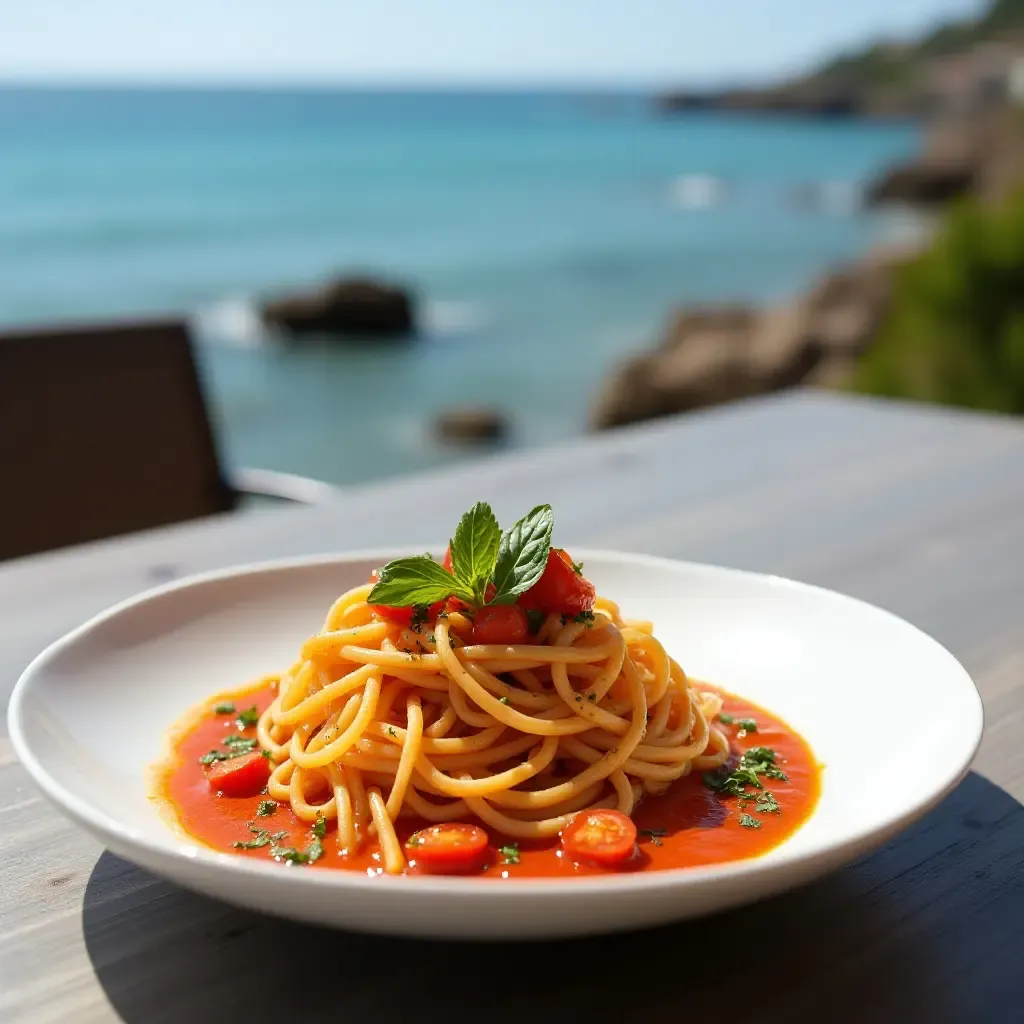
918, 510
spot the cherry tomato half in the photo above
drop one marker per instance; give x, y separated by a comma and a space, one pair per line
603, 837
449, 848
500, 624
402, 616
239, 776
560, 589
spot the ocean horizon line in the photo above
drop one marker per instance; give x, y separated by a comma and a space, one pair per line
360, 86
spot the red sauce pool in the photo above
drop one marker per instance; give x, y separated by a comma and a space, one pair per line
699, 826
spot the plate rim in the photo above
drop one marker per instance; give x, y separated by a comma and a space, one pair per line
807, 864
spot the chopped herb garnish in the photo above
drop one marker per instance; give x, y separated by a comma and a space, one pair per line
432, 639
534, 620
591, 695
725, 719
391, 731
654, 834
293, 856
577, 567
509, 854
266, 754
749, 821
584, 618
236, 745
242, 743
503, 700
413, 841
249, 717
767, 804
263, 838
227, 708
266, 808
755, 762
319, 828
746, 724
419, 617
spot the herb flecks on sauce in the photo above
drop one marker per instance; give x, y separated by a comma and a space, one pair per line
654, 834
248, 718
509, 853
744, 783
236, 746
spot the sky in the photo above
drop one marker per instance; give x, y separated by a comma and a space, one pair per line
442, 42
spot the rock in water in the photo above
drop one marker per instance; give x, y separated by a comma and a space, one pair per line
471, 424
923, 182
347, 307
721, 353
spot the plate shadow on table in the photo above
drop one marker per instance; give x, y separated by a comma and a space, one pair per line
929, 928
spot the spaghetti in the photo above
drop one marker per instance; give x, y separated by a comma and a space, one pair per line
379, 720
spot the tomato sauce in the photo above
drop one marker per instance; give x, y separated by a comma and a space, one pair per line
688, 825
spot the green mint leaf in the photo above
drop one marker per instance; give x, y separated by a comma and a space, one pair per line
319, 828
749, 821
523, 554
416, 580
474, 549
266, 808
746, 724
227, 708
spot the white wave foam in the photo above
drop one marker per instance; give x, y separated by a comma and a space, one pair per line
696, 191
831, 197
233, 321
446, 319
236, 321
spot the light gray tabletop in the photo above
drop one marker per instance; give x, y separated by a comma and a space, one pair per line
918, 510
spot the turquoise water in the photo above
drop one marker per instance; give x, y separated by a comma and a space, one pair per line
547, 235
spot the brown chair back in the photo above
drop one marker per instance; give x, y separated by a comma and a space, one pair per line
103, 431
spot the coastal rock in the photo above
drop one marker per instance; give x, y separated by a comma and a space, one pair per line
982, 154
710, 355
923, 182
471, 424
347, 306
782, 100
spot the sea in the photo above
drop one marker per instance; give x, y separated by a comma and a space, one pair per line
546, 235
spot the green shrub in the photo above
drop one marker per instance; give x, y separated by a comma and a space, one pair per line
955, 332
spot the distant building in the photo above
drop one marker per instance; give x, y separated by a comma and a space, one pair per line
988, 76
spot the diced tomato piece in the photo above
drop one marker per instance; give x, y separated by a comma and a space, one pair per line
500, 624
449, 848
603, 837
402, 616
240, 776
561, 589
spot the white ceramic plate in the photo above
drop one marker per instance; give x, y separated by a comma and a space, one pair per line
892, 716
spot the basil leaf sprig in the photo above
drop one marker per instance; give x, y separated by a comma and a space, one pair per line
481, 555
